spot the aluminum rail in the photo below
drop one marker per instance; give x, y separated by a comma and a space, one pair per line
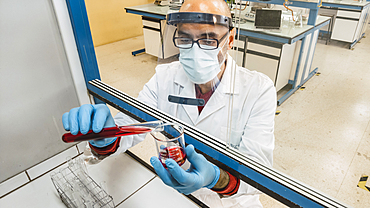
272, 182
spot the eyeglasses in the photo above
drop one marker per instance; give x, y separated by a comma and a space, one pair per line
203, 43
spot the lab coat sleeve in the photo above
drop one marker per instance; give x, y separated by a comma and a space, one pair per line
149, 96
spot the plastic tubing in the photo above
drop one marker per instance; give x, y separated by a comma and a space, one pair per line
286, 1
246, 3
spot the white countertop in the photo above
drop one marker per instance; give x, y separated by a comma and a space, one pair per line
127, 181
347, 2
288, 30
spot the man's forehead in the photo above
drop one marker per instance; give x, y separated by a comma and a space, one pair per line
207, 6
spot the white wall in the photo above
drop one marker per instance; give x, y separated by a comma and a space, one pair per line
36, 85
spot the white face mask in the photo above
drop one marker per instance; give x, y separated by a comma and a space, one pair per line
201, 66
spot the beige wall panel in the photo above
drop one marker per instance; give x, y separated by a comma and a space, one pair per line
109, 21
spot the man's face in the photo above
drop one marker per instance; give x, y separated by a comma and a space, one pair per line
197, 31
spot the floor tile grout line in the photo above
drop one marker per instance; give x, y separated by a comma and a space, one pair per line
354, 155
28, 176
37, 177
49, 158
136, 191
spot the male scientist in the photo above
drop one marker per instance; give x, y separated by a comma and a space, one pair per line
205, 70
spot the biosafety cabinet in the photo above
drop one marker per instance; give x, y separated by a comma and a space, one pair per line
41, 78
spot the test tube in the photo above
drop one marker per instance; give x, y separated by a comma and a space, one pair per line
116, 131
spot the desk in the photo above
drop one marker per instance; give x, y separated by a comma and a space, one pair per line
289, 52
350, 19
276, 54
127, 181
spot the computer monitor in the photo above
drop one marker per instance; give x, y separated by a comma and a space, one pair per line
268, 19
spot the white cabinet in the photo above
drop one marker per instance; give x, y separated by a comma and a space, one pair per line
262, 64
270, 58
344, 30
348, 25
152, 40
263, 56
154, 30
285, 65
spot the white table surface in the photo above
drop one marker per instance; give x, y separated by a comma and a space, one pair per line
155, 194
127, 181
347, 2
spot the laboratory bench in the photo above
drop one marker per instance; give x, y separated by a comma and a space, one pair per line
126, 179
275, 53
284, 55
349, 20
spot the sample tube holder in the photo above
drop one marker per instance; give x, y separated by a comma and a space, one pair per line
77, 189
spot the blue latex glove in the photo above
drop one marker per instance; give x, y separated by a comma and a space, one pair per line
86, 117
200, 174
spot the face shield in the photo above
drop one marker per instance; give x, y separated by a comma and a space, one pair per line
202, 41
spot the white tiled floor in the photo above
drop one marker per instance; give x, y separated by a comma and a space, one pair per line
322, 133
28, 176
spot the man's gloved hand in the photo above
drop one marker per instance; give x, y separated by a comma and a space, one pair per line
86, 117
200, 174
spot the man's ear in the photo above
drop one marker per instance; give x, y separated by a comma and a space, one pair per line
231, 38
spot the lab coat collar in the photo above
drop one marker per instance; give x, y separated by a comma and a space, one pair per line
187, 89
181, 77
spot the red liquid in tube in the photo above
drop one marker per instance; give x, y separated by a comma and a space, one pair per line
105, 133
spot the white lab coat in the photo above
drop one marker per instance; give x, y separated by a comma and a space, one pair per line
253, 113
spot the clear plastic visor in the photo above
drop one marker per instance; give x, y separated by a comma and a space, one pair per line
202, 49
